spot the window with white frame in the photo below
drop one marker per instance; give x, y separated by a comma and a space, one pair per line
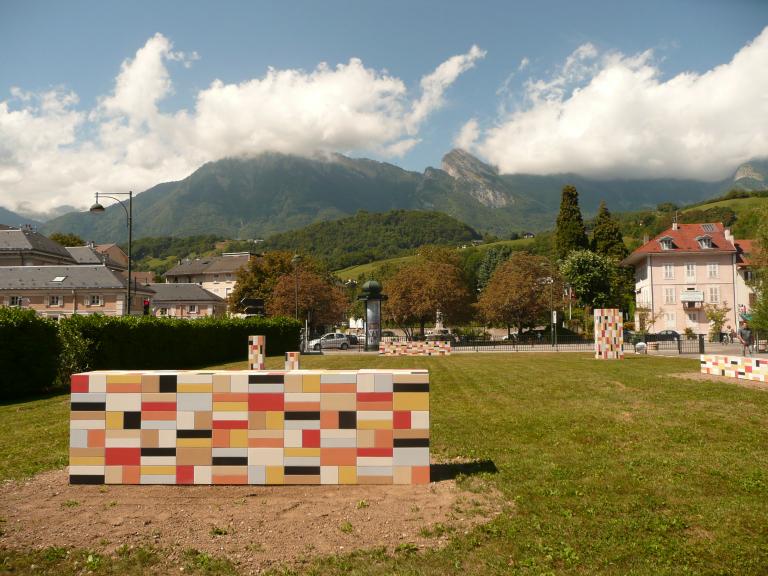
704, 241
163, 312
690, 271
669, 295
55, 300
713, 270
193, 308
15, 301
666, 243
693, 317
669, 271
714, 294
669, 319
95, 300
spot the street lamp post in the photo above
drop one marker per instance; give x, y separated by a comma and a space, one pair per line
98, 209
296, 260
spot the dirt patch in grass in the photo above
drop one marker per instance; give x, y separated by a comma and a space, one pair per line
255, 527
714, 378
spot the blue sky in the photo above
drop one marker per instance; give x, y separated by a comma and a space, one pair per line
515, 116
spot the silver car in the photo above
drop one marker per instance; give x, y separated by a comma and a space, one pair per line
330, 340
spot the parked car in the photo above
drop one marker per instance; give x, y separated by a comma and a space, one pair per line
353, 340
389, 336
668, 335
330, 340
631, 337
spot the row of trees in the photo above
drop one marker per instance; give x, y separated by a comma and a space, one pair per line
502, 287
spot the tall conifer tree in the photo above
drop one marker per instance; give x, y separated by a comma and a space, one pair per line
606, 236
570, 233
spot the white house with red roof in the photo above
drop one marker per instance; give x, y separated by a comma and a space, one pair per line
688, 266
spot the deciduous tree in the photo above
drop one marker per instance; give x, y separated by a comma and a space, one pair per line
417, 291
66, 239
321, 300
591, 276
521, 292
259, 278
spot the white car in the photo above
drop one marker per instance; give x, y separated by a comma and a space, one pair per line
330, 340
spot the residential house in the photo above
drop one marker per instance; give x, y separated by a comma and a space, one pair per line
185, 301
25, 247
57, 291
687, 267
91, 255
217, 274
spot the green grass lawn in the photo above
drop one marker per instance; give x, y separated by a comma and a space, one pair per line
605, 467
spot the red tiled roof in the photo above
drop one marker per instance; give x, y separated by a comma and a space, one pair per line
684, 239
743, 250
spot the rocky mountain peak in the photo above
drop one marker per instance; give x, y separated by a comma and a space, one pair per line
482, 179
749, 170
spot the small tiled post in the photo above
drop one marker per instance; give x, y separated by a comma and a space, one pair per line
292, 361
257, 349
609, 334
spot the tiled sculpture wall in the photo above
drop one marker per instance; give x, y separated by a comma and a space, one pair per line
257, 351
745, 368
609, 334
250, 427
415, 348
292, 361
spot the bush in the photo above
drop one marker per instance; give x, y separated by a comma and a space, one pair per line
145, 343
29, 351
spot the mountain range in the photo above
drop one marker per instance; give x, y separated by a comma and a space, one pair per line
270, 193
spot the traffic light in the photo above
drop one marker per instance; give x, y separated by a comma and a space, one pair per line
146, 307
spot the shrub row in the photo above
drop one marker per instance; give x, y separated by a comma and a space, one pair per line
29, 351
97, 342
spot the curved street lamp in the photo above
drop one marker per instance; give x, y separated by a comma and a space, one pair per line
97, 208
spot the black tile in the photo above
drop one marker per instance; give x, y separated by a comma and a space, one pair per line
347, 420
86, 479
158, 451
302, 470
410, 442
410, 387
230, 461
88, 406
302, 415
167, 383
194, 433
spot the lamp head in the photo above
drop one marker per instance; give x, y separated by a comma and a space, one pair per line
96, 208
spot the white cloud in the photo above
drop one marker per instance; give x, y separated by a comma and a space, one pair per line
468, 135
53, 153
524, 63
613, 115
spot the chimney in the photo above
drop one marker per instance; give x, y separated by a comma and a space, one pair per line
729, 236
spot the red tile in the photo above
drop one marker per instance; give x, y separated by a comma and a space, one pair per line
122, 456
230, 424
266, 403
401, 420
158, 406
310, 438
79, 383
374, 452
374, 396
185, 474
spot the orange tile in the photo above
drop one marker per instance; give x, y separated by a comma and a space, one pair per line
230, 397
119, 387
238, 479
220, 438
302, 406
420, 474
265, 442
338, 456
338, 388
329, 420
382, 439
96, 438
131, 474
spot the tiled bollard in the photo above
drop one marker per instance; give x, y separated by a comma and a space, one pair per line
292, 361
247, 427
744, 368
609, 334
257, 352
416, 348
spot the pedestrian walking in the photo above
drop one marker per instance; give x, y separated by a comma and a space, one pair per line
745, 338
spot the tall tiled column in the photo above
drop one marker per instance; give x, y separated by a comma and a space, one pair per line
292, 361
257, 352
609, 334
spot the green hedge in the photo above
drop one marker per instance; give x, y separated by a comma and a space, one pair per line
144, 342
29, 350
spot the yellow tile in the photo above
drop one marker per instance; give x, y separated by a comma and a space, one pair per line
230, 406
275, 420
275, 475
301, 452
158, 470
374, 424
123, 378
193, 442
347, 475
410, 401
86, 461
114, 420
310, 382
238, 438
194, 387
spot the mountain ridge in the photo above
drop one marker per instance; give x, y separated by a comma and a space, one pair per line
273, 192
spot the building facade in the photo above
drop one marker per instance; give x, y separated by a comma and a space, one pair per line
25, 247
686, 268
175, 300
60, 291
217, 274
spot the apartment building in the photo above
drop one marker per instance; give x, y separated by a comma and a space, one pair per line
175, 300
687, 267
217, 274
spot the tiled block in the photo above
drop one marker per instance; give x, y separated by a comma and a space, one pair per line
259, 427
